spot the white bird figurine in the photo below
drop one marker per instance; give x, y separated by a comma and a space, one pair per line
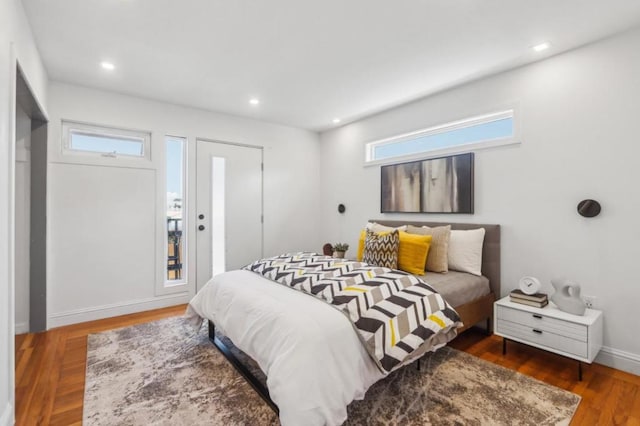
567, 296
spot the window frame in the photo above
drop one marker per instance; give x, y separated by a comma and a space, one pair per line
69, 127
443, 128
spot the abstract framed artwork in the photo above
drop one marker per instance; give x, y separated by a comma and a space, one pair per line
437, 185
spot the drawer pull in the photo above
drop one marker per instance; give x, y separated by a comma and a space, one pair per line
537, 331
537, 316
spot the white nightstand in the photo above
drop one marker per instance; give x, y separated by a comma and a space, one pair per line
548, 328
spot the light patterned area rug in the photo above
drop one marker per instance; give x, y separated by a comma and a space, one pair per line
160, 373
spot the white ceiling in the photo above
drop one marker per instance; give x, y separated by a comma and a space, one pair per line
307, 61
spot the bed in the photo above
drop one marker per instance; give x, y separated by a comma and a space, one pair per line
478, 309
314, 362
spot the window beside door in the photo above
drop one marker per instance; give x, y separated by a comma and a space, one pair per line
175, 148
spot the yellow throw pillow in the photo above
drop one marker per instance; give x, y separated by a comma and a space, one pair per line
413, 252
363, 236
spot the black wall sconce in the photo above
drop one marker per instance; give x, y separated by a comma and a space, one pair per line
341, 208
589, 208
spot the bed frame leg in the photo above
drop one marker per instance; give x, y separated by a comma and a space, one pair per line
489, 331
212, 331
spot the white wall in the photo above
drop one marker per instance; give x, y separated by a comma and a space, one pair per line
84, 281
579, 130
22, 219
14, 31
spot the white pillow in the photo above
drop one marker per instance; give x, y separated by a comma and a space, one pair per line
377, 228
465, 250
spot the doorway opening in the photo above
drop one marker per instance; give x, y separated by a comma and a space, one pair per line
30, 208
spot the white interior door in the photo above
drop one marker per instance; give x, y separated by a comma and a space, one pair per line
229, 207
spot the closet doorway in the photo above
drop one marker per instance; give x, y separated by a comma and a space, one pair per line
30, 211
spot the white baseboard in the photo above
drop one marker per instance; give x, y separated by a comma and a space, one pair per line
113, 310
22, 327
620, 360
7, 416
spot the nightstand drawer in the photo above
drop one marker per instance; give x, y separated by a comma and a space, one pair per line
543, 323
538, 336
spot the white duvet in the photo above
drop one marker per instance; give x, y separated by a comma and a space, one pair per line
313, 359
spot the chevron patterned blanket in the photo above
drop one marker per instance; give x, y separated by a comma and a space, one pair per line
395, 314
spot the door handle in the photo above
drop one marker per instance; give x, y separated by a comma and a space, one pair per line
200, 216
201, 227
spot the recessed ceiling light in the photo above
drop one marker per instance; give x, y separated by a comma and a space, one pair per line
336, 120
254, 101
107, 65
542, 46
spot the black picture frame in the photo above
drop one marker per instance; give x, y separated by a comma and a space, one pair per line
436, 185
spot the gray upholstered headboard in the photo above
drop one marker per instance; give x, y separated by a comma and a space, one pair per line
490, 248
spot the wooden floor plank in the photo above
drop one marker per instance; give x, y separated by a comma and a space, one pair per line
609, 396
50, 368
50, 373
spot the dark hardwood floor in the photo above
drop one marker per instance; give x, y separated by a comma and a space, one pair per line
50, 369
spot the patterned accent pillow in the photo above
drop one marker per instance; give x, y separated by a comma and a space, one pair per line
381, 250
378, 229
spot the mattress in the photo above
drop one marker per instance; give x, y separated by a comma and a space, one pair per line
458, 288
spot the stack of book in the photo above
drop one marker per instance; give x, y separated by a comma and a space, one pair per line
539, 300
